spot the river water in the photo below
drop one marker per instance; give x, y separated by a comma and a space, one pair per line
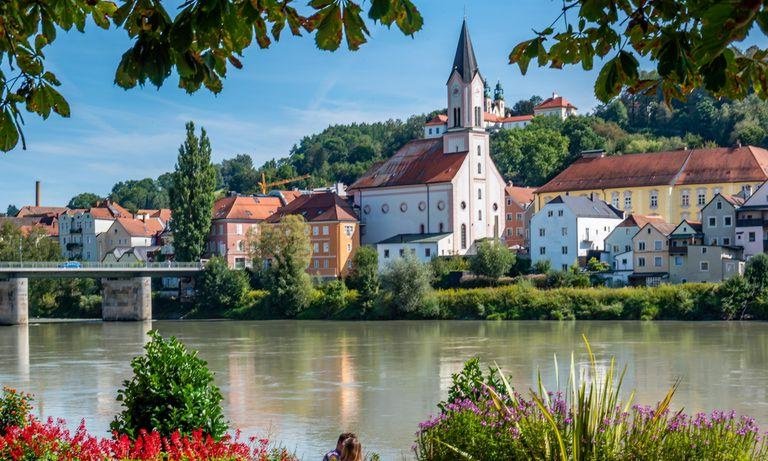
305, 382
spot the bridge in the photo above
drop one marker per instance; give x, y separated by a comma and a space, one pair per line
126, 288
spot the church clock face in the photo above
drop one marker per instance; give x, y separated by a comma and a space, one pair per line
455, 92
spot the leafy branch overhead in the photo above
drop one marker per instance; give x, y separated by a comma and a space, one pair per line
691, 43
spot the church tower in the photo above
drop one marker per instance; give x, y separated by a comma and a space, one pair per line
466, 97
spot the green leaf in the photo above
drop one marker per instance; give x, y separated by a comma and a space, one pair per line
9, 136
714, 73
608, 83
59, 104
354, 27
329, 27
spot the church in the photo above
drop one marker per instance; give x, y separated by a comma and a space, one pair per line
438, 195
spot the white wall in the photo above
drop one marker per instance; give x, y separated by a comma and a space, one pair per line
742, 239
441, 248
553, 239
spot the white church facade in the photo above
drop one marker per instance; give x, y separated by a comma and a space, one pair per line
438, 195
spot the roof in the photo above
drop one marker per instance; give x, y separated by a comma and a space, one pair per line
489, 117
108, 210
464, 62
734, 200
415, 238
663, 227
325, 206
163, 214
679, 167
47, 223
29, 211
521, 195
246, 207
695, 225
585, 207
439, 119
639, 220
555, 102
141, 253
139, 228
420, 161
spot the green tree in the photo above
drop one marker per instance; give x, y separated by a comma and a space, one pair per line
285, 249
595, 265
220, 288
492, 259
12, 210
364, 276
238, 174
192, 195
531, 155
408, 282
34, 245
615, 111
143, 194
525, 106
84, 200
756, 273
171, 390
542, 266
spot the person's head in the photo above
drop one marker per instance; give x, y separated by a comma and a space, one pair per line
352, 450
342, 438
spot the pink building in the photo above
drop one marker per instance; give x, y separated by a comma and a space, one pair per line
233, 218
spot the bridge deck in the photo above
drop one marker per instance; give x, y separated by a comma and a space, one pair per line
97, 270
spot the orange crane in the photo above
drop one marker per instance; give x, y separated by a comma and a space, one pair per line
264, 185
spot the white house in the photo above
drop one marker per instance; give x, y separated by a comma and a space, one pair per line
618, 244
443, 184
752, 221
566, 228
556, 106
80, 231
423, 246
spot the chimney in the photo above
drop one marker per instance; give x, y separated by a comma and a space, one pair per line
37, 193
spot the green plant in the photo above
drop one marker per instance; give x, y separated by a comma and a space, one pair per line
171, 390
333, 298
492, 259
15, 407
542, 266
408, 283
364, 277
220, 289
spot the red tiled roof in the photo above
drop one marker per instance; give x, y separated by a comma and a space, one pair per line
439, 119
734, 200
420, 161
698, 166
289, 196
108, 210
163, 214
245, 208
48, 223
639, 220
521, 195
139, 228
489, 117
325, 206
555, 102
29, 210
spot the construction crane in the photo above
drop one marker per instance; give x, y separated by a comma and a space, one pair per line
264, 185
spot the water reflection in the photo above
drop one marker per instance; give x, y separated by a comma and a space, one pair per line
305, 382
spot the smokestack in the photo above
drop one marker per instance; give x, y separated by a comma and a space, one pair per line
37, 193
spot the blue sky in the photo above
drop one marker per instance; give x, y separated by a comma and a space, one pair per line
283, 93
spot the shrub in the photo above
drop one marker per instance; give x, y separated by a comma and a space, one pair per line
332, 298
15, 407
364, 277
447, 270
408, 284
171, 390
542, 266
492, 259
220, 288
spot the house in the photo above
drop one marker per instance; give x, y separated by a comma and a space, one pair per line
619, 252
81, 231
718, 219
334, 231
132, 233
651, 253
752, 223
567, 228
556, 106
446, 184
516, 201
163, 215
705, 263
423, 246
233, 218
674, 184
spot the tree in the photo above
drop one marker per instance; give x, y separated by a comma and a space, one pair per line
690, 42
525, 106
408, 282
12, 210
542, 266
492, 259
238, 174
84, 200
34, 245
615, 111
364, 276
220, 288
756, 273
285, 249
531, 155
143, 194
192, 195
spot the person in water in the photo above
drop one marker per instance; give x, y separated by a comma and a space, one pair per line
351, 450
335, 454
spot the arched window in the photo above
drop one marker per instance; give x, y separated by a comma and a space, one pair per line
421, 228
478, 117
479, 168
463, 236
654, 199
479, 193
240, 245
441, 227
479, 151
615, 199
479, 215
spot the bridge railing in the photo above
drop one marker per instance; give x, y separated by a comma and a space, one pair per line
97, 265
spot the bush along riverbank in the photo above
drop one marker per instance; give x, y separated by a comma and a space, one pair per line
486, 418
171, 412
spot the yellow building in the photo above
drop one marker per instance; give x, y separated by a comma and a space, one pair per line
674, 184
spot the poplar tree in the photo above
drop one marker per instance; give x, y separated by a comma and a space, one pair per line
192, 195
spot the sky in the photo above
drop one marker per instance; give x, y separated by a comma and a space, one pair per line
283, 93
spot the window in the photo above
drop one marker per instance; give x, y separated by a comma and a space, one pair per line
641, 262
713, 242
509, 232
542, 232
641, 246
421, 228
627, 248
542, 250
479, 194
479, 215
712, 222
615, 199
726, 241
549, 214
751, 236
239, 229
325, 230
654, 199
746, 190
479, 151
704, 266
719, 205
315, 230
509, 216
349, 230
704, 250
441, 227
325, 264
315, 248
519, 231
402, 252
657, 245
315, 263
678, 260
564, 231
240, 245
559, 212
685, 198
479, 168
657, 261
427, 252
478, 118
701, 197
564, 250
463, 236
627, 200
386, 254
349, 247
519, 216
430, 131
564, 267
326, 247
727, 221
509, 202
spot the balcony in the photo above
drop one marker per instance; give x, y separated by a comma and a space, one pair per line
755, 222
678, 250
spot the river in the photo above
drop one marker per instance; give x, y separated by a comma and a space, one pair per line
305, 382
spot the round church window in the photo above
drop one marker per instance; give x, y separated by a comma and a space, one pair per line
422, 206
367, 209
441, 205
403, 207
385, 208
463, 205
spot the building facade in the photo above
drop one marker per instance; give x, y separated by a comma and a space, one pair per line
82, 232
718, 219
651, 250
752, 223
705, 263
517, 200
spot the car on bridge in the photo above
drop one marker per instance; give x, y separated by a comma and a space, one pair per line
70, 265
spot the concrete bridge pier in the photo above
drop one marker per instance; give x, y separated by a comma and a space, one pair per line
14, 301
126, 299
